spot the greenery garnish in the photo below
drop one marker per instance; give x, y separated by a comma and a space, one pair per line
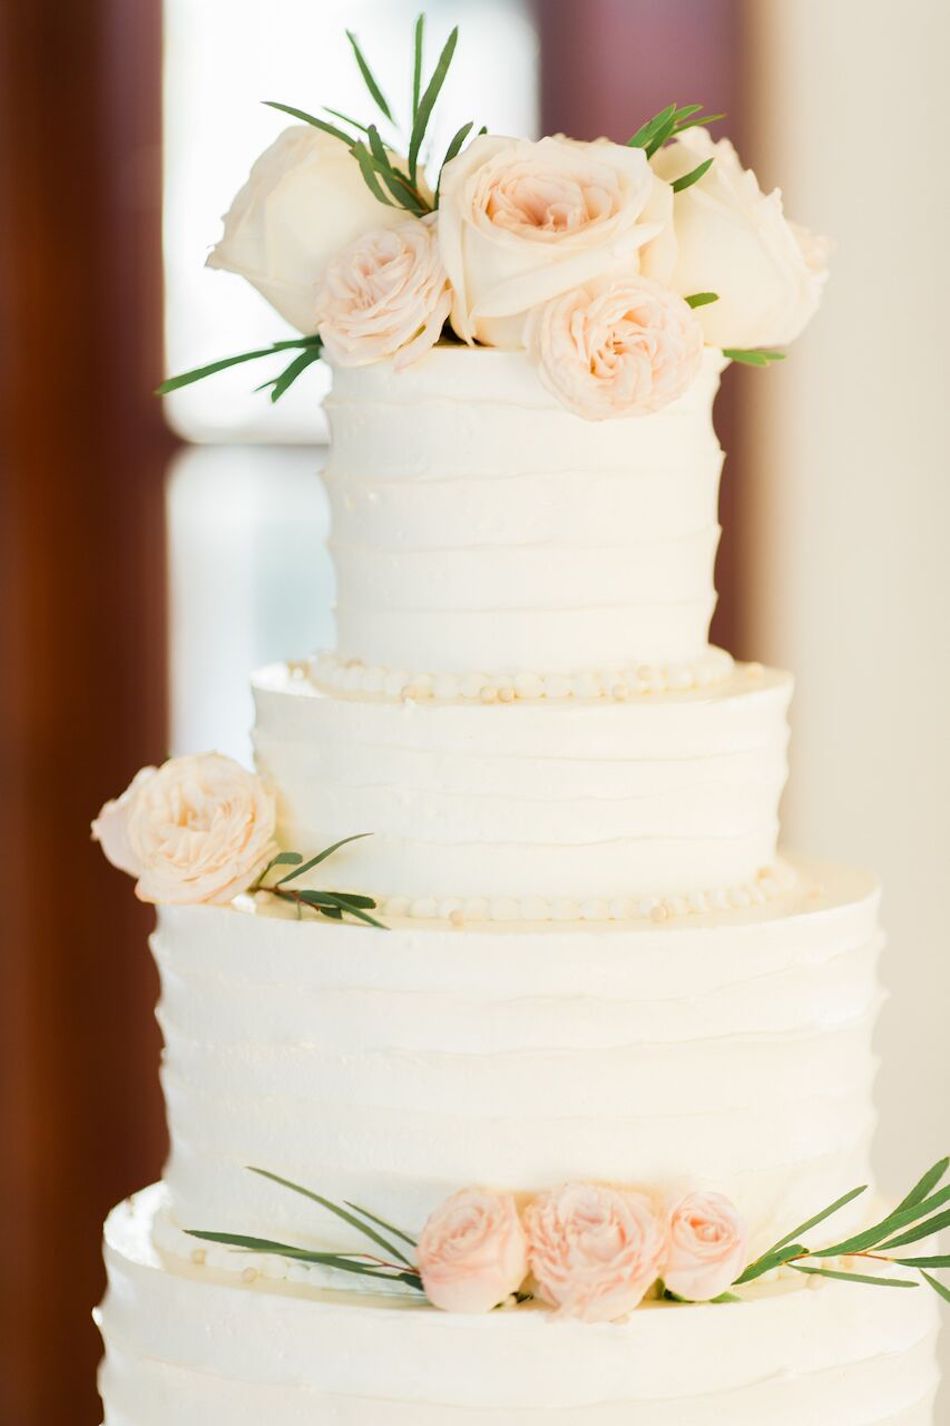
332, 904
388, 183
312, 349
916, 1217
361, 1264
752, 356
679, 185
701, 299
788, 1252
369, 77
665, 125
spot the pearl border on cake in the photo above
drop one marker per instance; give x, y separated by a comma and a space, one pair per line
331, 673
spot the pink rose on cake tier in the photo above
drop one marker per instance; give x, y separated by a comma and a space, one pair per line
197, 829
472, 1253
620, 347
594, 1251
387, 295
707, 1247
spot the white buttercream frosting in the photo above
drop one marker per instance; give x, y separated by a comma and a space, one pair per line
393, 1068
575, 799
477, 524
193, 1347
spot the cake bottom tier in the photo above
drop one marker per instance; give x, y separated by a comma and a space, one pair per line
192, 1347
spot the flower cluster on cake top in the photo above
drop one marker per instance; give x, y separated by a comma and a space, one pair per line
612, 265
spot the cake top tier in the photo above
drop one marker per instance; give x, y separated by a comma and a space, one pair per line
481, 528
609, 265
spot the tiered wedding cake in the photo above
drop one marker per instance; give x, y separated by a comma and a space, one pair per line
601, 994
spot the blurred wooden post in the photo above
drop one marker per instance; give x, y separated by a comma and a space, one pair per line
83, 449
606, 65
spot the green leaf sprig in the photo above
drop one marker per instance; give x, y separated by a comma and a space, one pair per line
332, 904
396, 1267
309, 349
922, 1214
390, 184
752, 356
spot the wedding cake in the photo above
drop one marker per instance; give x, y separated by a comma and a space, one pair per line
564, 1113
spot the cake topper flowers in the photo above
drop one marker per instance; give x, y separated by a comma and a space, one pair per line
202, 830
596, 1251
611, 265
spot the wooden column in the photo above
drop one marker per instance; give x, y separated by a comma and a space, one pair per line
606, 65
82, 450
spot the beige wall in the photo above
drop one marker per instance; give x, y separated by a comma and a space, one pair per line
850, 479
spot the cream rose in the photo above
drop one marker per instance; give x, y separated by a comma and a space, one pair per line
733, 239
472, 1252
386, 295
707, 1250
522, 222
619, 347
198, 829
594, 1251
304, 201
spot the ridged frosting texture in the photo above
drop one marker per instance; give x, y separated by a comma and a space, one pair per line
192, 1347
477, 524
393, 1069
674, 794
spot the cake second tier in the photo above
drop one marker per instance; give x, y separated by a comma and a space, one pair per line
534, 810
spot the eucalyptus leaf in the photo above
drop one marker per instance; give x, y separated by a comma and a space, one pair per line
296, 368
346, 119
798, 1233
942, 1260
926, 1186
874, 1236
938, 1287
187, 378
368, 169
381, 1223
427, 103
647, 132
417, 48
312, 119
927, 1229
855, 1277
679, 185
701, 299
342, 1262
303, 867
699, 123
453, 151
328, 898
369, 78
752, 356
777, 1258
341, 1213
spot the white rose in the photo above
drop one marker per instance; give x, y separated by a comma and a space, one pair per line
733, 239
623, 346
304, 201
386, 295
198, 829
520, 223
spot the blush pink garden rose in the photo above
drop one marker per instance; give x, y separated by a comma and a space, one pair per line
520, 223
707, 1249
472, 1253
387, 295
733, 239
197, 829
620, 347
594, 1251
